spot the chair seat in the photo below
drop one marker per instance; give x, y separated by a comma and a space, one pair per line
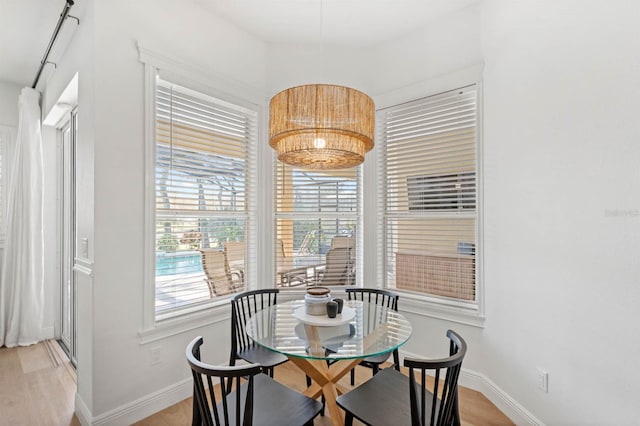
258, 355
275, 404
382, 400
376, 359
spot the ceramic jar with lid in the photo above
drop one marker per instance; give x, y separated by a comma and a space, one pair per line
316, 300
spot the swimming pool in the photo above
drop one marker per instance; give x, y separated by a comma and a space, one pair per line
185, 262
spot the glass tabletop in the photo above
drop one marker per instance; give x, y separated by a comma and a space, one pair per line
365, 330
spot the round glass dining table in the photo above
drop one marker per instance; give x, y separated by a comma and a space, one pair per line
363, 329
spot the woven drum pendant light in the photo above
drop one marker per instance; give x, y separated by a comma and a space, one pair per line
321, 126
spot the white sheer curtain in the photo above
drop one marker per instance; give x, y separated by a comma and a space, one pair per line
21, 283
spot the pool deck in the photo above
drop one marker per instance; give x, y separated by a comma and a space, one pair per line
173, 291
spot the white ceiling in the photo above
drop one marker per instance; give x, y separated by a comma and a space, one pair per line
26, 26
349, 22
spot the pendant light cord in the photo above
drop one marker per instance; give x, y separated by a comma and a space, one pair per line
321, 41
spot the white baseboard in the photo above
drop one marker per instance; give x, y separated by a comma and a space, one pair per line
82, 411
505, 403
138, 409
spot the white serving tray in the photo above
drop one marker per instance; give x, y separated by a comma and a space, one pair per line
322, 320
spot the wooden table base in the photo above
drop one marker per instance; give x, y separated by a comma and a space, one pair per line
326, 382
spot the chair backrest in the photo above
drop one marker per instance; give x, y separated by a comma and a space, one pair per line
343, 241
373, 295
216, 269
440, 407
234, 250
383, 301
213, 406
243, 307
337, 267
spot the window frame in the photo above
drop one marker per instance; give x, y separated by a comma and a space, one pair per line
416, 303
228, 90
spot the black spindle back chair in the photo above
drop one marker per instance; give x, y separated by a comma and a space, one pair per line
210, 410
390, 397
250, 397
384, 298
243, 307
441, 405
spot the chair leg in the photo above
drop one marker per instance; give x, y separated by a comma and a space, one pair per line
308, 380
348, 420
353, 376
196, 420
396, 360
375, 368
225, 384
456, 411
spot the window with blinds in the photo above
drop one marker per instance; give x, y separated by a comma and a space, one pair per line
429, 163
317, 215
204, 172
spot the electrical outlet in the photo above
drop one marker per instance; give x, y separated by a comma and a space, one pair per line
155, 355
543, 380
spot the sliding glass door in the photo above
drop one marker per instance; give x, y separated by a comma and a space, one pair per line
68, 236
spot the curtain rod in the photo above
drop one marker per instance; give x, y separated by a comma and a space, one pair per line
63, 17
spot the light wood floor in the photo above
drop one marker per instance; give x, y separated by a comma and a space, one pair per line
37, 387
475, 409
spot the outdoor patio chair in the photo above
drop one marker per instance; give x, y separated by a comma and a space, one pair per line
338, 268
234, 250
343, 241
217, 274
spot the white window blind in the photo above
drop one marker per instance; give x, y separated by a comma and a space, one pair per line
317, 212
429, 153
205, 177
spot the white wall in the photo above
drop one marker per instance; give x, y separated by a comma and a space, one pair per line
441, 47
561, 195
561, 189
113, 366
293, 65
561, 158
122, 371
561, 202
78, 58
9, 93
